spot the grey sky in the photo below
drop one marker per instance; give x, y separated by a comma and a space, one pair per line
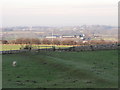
59, 12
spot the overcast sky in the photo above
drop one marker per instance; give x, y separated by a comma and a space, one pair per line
59, 12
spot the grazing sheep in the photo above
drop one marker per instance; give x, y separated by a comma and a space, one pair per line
14, 63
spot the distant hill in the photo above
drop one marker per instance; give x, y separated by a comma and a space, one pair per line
42, 31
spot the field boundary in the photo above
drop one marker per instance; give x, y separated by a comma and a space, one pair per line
74, 48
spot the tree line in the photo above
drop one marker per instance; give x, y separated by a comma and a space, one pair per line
54, 41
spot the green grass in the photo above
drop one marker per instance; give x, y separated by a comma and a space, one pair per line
90, 69
10, 47
6, 47
1, 72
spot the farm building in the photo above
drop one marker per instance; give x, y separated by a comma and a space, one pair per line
74, 36
81, 36
54, 36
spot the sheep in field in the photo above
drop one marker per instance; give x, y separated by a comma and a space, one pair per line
14, 63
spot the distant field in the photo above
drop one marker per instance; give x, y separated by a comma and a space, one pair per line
89, 69
10, 47
6, 47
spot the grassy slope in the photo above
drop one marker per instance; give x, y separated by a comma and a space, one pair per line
0, 72
61, 69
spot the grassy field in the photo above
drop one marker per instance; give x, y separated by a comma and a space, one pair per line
90, 69
6, 47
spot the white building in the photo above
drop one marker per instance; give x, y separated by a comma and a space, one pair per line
51, 37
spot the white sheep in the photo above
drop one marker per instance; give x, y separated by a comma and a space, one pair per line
14, 63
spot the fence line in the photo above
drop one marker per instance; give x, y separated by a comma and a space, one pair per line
74, 48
